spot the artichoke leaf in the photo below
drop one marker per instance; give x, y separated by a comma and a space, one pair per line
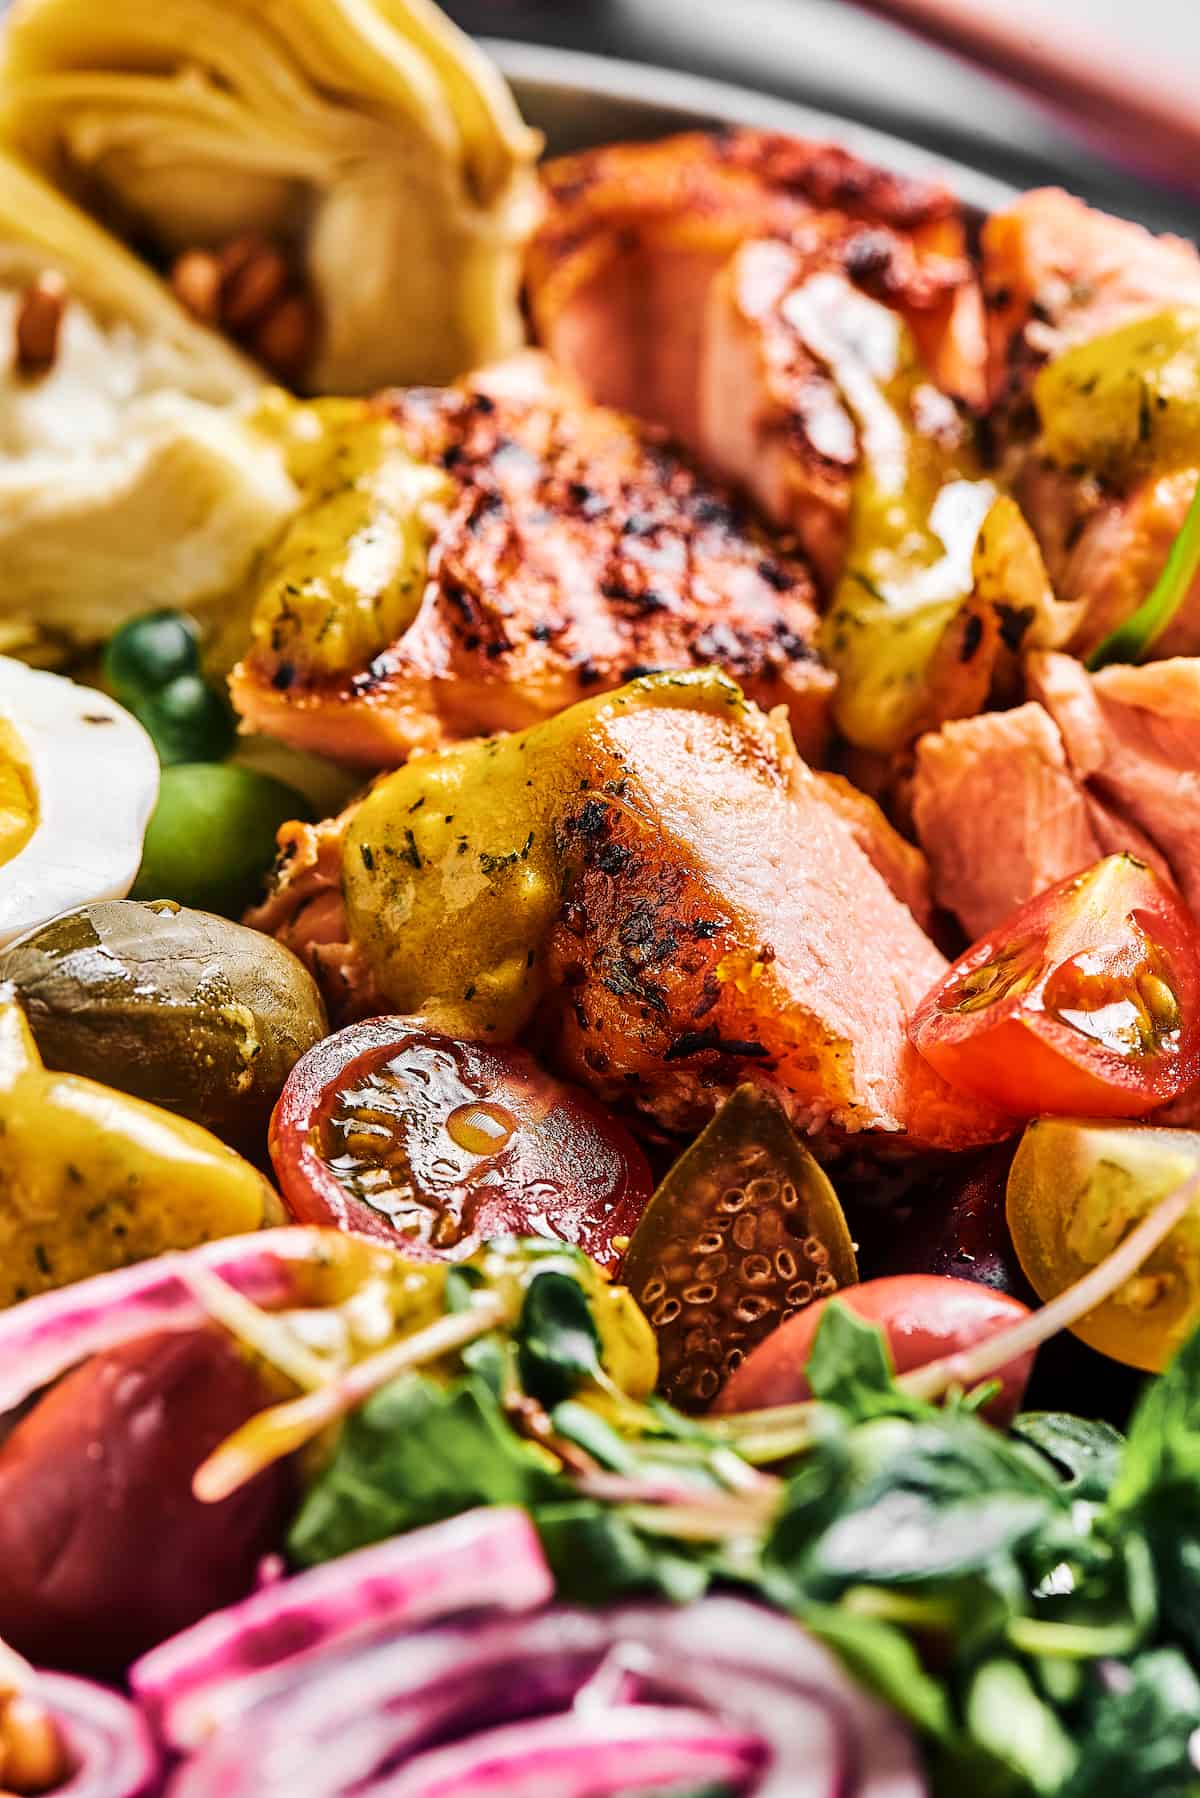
367, 140
131, 475
41, 231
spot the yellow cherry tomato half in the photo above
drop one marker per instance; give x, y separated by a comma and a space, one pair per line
1076, 1189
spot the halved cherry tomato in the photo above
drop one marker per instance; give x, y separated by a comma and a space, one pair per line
436, 1145
1085, 1001
923, 1316
1078, 1187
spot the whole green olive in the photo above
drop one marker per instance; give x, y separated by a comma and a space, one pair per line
211, 839
197, 1014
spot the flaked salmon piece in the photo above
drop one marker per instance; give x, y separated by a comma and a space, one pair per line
901, 864
999, 813
1057, 273
631, 286
1008, 803
571, 550
304, 910
1132, 735
697, 912
1104, 551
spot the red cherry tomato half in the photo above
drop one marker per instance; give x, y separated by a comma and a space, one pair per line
436, 1145
923, 1316
1086, 1001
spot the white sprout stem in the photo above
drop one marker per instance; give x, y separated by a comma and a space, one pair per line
968, 1367
268, 1335
284, 1428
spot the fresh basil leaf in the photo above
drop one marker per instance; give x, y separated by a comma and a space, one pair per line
488, 1358
558, 1344
414, 1453
1088, 1451
1158, 1489
1006, 1716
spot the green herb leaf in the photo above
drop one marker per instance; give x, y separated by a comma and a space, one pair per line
1136, 1728
558, 1342
883, 1658
1134, 639
849, 1365
417, 1452
1089, 1452
1006, 1716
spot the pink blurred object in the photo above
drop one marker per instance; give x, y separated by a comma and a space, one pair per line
1141, 113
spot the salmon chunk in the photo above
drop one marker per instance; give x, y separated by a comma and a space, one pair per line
655, 891
567, 550
1008, 803
999, 813
1057, 275
1057, 272
1132, 736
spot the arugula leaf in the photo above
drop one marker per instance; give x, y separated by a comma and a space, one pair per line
414, 1453
904, 1538
558, 1343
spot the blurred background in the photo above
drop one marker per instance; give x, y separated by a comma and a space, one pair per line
843, 58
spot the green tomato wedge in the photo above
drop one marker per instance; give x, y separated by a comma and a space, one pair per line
744, 1232
211, 840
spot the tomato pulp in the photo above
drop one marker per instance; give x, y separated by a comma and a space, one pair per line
1086, 1000
435, 1145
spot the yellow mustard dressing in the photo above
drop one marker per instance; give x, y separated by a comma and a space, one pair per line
1128, 401
916, 512
451, 872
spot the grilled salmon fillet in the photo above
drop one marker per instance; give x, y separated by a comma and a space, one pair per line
568, 550
1058, 274
654, 889
657, 275
620, 271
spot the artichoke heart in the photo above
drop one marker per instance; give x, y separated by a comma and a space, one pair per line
130, 476
366, 143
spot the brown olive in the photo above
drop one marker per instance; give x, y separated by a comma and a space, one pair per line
182, 1008
103, 1549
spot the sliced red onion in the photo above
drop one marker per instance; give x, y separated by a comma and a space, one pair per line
366, 1716
106, 1740
208, 1676
634, 1747
43, 1337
